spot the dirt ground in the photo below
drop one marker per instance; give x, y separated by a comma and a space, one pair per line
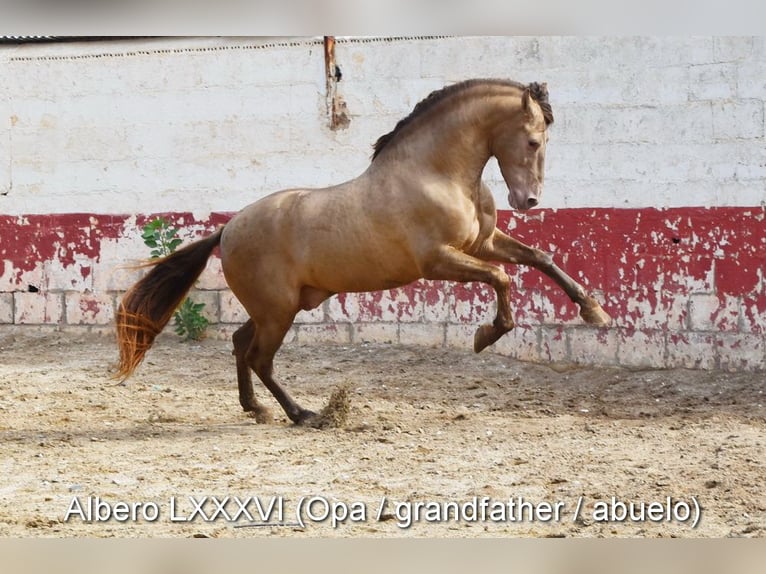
519, 449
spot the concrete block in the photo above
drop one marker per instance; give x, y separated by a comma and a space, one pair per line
380, 59
459, 336
6, 308
42, 308
213, 124
741, 352
375, 333
422, 334
472, 303
89, 308
712, 81
343, 307
672, 123
737, 193
641, 349
116, 269
554, 344
738, 119
310, 334
591, 346
522, 343
402, 304
437, 300
77, 275
212, 278
753, 319
5, 149
691, 350
313, 316
231, 310
702, 309
664, 85
751, 79
713, 312
730, 48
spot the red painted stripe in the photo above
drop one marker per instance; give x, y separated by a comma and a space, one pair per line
645, 264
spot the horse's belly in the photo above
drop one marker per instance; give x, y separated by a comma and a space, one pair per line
359, 271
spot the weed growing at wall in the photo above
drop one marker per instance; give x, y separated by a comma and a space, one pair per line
162, 239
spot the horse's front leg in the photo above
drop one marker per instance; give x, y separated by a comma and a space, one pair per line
452, 265
501, 247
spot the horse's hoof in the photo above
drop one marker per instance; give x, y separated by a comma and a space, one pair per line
595, 315
484, 337
306, 417
261, 414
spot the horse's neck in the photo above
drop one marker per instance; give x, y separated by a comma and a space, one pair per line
455, 145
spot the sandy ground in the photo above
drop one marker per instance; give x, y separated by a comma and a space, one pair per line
519, 449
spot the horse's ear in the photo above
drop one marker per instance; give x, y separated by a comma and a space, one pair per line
525, 97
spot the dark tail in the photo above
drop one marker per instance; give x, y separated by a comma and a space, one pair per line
148, 306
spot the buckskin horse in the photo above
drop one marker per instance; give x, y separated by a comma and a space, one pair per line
420, 210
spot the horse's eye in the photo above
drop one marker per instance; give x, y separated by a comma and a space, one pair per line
534, 144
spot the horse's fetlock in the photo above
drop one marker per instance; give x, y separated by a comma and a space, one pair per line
503, 324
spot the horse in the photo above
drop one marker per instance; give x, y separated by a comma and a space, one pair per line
419, 210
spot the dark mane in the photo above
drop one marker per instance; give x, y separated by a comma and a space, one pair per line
539, 93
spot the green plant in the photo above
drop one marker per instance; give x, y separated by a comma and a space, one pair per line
160, 237
163, 240
190, 322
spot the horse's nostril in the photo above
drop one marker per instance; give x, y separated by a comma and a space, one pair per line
532, 201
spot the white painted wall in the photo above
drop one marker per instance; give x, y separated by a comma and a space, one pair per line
212, 124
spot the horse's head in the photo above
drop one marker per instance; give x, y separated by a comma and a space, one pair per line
519, 142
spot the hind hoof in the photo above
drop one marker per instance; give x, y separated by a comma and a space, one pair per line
261, 414
595, 315
305, 417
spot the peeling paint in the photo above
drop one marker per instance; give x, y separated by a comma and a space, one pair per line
692, 289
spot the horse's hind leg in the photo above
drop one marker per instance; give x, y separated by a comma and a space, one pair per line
260, 357
243, 338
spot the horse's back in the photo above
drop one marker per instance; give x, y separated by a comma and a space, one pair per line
326, 238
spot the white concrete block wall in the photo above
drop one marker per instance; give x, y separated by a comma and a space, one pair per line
96, 137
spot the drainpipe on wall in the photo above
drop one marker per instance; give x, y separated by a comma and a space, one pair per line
336, 107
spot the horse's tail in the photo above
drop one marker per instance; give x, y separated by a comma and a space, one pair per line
148, 306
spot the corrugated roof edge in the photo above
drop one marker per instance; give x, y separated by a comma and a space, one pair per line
60, 39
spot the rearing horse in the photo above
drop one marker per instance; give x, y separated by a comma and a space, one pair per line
420, 210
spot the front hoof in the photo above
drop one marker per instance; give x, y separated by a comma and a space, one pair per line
595, 315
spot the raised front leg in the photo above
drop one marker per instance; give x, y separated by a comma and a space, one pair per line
453, 265
501, 247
